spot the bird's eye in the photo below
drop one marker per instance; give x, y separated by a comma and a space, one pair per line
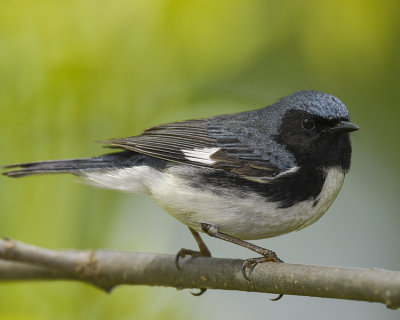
308, 123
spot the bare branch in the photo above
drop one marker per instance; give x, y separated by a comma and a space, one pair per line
107, 269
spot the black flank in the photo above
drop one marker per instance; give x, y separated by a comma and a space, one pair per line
287, 190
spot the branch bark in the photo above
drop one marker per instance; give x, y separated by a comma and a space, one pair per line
107, 269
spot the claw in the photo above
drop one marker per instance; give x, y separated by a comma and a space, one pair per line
180, 254
186, 252
277, 298
198, 294
244, 267
248, 264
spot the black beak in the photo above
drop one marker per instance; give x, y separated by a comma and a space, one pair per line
344, 126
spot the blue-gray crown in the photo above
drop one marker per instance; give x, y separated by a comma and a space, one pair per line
314, 102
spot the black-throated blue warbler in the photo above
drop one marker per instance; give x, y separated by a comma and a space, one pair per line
249, 175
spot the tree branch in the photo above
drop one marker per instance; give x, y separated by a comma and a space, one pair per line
107, 269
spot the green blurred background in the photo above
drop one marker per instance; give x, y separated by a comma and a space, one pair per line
72, 72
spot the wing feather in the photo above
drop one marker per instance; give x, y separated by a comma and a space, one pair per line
190, 142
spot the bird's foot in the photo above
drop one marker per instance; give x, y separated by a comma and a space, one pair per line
268, 256
203, 252
187, 252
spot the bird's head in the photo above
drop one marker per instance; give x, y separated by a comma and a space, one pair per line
315, 127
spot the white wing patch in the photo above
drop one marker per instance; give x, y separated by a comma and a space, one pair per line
201, 155
289, 171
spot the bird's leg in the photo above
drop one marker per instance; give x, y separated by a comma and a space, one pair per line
267, 255
203, 252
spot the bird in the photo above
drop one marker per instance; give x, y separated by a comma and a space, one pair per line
237, 177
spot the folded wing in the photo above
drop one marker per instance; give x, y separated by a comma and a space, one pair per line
194, 143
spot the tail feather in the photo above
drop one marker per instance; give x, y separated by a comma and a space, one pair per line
74, 166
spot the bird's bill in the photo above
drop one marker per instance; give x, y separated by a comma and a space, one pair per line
344, 126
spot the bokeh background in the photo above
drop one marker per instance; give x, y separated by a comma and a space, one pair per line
76, 71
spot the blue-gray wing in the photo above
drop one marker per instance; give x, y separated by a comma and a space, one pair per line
199, 143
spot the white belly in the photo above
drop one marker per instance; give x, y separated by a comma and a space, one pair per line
249, 217
245, 218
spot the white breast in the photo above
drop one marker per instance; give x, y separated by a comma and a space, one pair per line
330, 190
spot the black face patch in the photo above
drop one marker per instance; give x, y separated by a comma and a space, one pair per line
314, 146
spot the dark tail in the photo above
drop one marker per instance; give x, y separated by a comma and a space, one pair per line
77, 166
